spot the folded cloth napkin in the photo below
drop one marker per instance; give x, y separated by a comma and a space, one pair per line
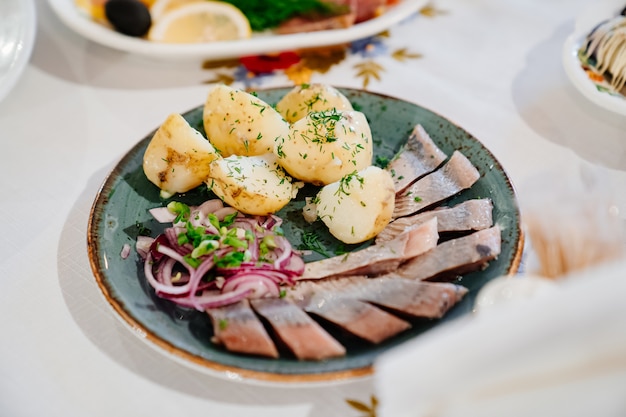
559, 354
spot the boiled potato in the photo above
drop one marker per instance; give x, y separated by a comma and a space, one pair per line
359, 206
238, 123
306, 98
178, 157
251, 184
325, 146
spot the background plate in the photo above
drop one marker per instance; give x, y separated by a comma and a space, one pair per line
18, 27
120, 211
258, 44
589, 18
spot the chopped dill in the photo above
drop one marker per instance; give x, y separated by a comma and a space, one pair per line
344, 183
382, 162
310, 241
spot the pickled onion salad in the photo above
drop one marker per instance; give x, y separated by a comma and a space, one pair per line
212, 256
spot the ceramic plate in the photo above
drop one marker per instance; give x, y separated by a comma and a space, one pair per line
261, 44
595, 90
18, 26
121, 210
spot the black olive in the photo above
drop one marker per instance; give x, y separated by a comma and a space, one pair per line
623, 12
130, 17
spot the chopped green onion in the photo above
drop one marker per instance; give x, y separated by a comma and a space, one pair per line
235, 242
205, 247
230, 260
193, 262
181, 210
214, 221
229, 219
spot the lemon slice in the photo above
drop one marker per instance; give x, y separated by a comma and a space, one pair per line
206, 21
160, 7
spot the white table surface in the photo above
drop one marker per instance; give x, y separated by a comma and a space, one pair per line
491, 66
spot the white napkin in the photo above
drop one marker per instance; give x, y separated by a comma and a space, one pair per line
560, 354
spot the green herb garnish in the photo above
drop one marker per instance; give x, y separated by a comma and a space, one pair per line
310, 241
264, 14
181, 210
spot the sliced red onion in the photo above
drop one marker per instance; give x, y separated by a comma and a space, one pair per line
162, 214
223, 212
188, 287
171, 234
213, 299
260, 284
159, 287
125, 253
143, 245
210, 206
295, 265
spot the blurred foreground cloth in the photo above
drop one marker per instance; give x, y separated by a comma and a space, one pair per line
561, 354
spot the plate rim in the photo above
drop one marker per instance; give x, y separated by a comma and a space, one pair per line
230, 372
69, 14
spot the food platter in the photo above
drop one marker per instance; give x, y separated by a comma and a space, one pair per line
18, 26
120, 213
595, 91
258, 44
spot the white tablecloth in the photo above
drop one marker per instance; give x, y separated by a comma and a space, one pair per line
493, 67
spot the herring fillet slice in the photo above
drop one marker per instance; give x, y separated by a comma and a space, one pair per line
419, 299
300, 333
355, 316
418, 157
454, 176
237, 328
377, 259
475, 214
416, 298
455, 256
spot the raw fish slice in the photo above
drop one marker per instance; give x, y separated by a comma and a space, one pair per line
417, 298
377, 259
240, 330
419, 157
456, 175
348, 14
355, 316
300, 333
366, 9
300, 24
469, 215
455, 257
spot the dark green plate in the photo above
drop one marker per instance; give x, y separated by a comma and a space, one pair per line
120, 213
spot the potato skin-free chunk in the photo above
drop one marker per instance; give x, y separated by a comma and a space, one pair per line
325, 146
178, 157
239, 123
251, 184
359, 206
306, 98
